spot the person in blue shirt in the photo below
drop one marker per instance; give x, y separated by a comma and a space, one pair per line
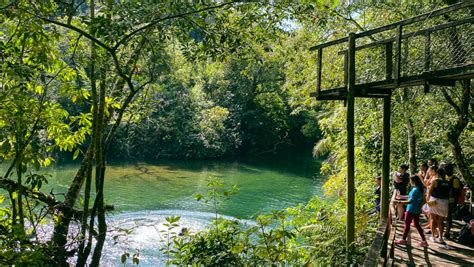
414, 201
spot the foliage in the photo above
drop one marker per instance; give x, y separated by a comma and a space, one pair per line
212, 109
170, 235
126, 255
301, 235
199, 80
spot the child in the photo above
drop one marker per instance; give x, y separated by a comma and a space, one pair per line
377, 193
415, 201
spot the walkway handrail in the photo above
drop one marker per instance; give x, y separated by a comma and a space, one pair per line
378, 250
381, 251
394, 25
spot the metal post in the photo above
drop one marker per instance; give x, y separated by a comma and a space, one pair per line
350, 224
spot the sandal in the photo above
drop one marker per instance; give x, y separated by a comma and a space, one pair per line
400, 242
423, 244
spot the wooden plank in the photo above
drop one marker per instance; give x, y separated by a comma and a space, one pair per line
435, 254
372, 256
442, 82
320, 69
350, 218
371, 96
345, 69
385, 198
439, 76
330, 43
385, 84
368, 92
331, 94
331, 98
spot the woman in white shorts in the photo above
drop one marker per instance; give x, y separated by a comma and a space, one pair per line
438, 204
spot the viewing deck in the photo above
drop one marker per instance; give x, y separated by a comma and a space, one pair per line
435, 48
451, 254
385, 252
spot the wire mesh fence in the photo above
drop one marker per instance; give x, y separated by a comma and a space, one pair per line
429, 45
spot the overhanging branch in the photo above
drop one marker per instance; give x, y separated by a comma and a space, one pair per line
12, 186
154, 22
78, 30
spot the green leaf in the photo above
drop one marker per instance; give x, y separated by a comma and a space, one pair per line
39, 90
198, 197
123, 258
76, 154
136, 260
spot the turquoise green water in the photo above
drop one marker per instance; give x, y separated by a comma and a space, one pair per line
145, 193
265, 183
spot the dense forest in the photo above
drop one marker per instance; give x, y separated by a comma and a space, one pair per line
92, 80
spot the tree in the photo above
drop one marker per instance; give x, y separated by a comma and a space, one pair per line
125, 42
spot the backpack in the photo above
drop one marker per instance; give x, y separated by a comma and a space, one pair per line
442, 189
455, 188
465, 236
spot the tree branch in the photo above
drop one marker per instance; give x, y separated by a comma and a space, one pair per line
450, 100
12, 186
153, 23
76, 29
125, 104
30, 136
49, 200
351, 20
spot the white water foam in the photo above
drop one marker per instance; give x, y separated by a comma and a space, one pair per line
139, 232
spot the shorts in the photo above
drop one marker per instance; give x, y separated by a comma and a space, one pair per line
439, 208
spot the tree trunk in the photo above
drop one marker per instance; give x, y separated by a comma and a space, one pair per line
455, 132
84, 251
410, 134
459, 56
100, 175
61, 226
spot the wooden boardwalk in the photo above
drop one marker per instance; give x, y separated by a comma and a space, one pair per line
433, 255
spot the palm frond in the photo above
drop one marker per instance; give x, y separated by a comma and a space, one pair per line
322, 147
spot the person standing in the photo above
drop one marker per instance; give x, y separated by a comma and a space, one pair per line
432, 162
455, 189
438, 204
423, 171
377, 193
415, 201
400, 182
430, 176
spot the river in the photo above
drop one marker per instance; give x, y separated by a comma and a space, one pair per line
145, 193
